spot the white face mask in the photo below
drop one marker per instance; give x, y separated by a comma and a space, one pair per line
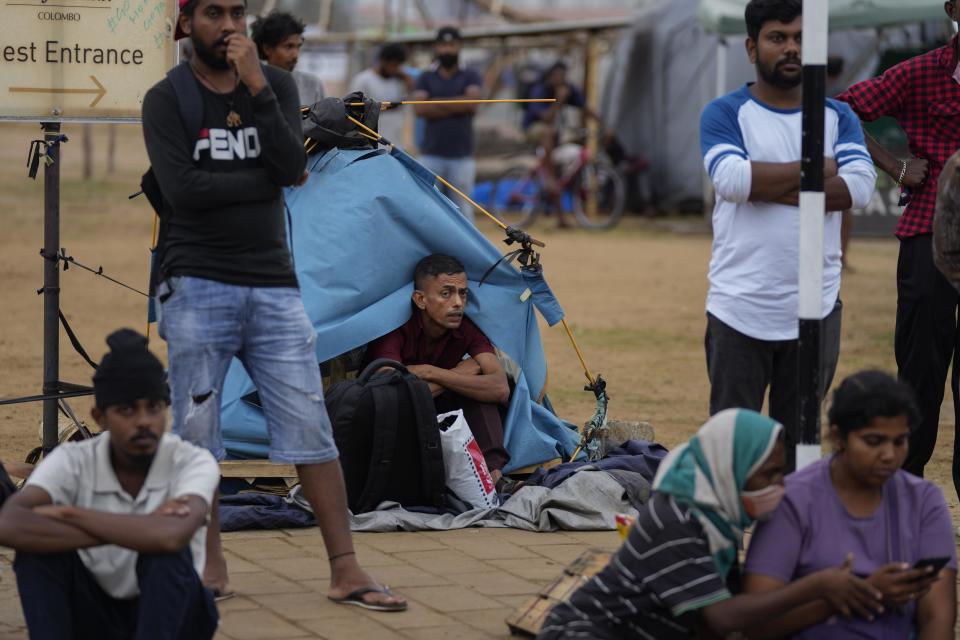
760, 505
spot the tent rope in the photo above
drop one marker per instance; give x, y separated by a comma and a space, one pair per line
68, 260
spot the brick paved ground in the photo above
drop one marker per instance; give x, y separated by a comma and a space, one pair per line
461, 584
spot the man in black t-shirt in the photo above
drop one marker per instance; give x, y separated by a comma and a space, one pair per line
227, 286
447, 147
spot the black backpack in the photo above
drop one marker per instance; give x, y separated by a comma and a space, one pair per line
190, 104
385, 427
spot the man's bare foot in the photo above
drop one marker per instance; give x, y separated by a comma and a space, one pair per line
348, 577
215, 574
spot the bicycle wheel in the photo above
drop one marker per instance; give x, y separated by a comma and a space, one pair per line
515, 197
609, 195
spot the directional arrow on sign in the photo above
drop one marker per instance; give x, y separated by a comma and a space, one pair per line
100, 91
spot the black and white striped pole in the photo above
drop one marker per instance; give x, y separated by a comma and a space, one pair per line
806, 443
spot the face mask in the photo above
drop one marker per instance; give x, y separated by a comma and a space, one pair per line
761, 504
448, 60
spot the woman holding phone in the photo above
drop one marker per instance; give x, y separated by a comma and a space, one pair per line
673, 578
858, 504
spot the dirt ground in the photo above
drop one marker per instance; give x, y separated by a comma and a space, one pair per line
634, 298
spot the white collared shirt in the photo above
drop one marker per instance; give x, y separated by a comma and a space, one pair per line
81, 474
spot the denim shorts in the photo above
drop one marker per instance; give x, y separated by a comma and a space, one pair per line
206, 324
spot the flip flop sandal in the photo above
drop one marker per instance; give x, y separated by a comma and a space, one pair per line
220, 596
356, 598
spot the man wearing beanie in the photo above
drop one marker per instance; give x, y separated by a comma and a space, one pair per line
110, 532
226, 285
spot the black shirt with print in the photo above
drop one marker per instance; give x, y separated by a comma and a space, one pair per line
653, 586
224, 189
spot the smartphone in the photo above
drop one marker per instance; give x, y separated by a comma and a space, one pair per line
935, 563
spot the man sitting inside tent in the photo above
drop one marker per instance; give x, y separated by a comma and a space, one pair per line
109, 532
434, 344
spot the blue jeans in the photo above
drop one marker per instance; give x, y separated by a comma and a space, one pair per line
206, 324
62, 600
460, 172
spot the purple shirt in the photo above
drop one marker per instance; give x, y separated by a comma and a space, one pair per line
812, 530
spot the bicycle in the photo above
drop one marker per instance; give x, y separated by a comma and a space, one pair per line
591, 187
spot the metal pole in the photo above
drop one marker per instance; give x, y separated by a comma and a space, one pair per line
812, 206
591, 87
51, 286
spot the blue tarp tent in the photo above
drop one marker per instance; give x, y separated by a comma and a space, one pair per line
357, 229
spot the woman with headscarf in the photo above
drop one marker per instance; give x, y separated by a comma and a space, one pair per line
670, 578
859, 501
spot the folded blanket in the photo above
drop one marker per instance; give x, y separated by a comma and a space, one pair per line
575, 496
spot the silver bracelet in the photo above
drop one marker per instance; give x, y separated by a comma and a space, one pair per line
903, 172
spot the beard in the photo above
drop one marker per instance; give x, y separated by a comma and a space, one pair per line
448, 60
210, 57
776, 77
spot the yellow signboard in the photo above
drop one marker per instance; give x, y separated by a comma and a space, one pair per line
82, 59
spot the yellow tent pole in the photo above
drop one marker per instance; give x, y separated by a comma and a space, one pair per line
378, 137
387, 103
576, 347
575, 453
471, 201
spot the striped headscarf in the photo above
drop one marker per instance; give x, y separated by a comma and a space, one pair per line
708, 474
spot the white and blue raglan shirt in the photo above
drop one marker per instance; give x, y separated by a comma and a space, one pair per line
755, 259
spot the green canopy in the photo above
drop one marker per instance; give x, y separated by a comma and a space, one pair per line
726, 16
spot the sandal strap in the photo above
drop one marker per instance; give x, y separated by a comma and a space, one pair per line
358, 594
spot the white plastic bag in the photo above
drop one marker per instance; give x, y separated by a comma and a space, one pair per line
465, 469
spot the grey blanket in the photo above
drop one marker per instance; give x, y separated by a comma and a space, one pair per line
587, 501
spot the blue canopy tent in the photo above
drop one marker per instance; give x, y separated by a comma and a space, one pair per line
357, 229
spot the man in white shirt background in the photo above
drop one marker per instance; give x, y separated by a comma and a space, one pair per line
110, 532
751, 145
387, 81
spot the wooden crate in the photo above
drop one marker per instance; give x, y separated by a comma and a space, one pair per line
527, 620
256, 469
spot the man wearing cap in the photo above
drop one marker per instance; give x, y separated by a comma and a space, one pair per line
110, 532
226, 285
447, 147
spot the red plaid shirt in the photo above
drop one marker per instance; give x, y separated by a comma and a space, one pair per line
925, 100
